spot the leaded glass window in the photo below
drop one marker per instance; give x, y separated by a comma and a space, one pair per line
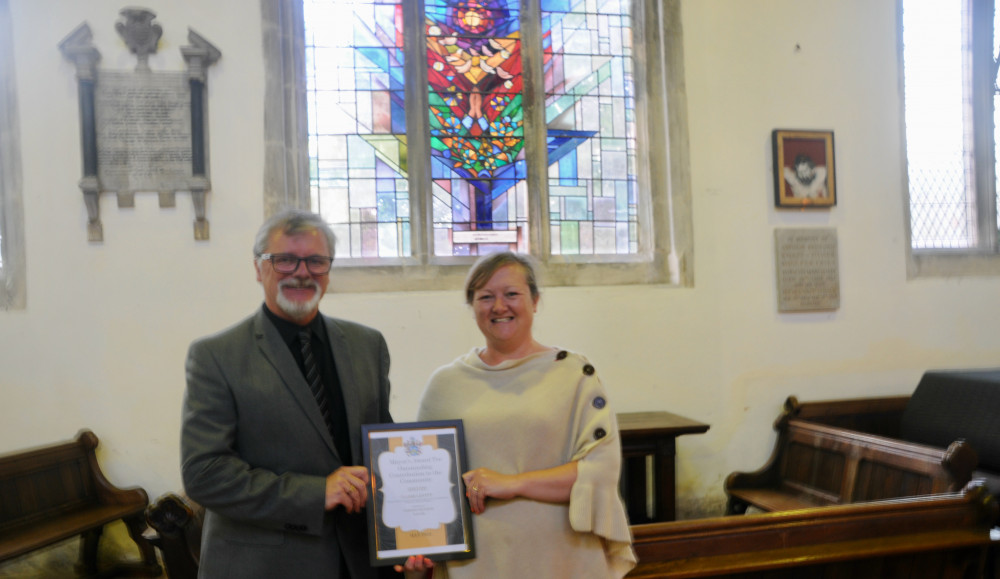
475, 95
357, 124
472, 62
590, 121
432, 131
951, 105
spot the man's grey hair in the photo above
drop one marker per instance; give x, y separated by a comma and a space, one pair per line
293, 222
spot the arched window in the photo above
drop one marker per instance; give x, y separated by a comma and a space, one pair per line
439, 130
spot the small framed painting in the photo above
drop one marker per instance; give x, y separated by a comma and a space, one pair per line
803, 169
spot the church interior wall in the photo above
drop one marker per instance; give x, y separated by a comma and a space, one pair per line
102, 341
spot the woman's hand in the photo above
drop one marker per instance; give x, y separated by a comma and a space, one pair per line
416, 567
551, 485
483, 482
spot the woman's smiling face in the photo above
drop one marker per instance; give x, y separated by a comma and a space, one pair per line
505, 308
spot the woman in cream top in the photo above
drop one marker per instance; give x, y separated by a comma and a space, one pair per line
541, 440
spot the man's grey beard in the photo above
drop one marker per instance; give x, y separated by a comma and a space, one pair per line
298, 310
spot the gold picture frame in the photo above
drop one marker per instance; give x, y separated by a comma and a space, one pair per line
803, 169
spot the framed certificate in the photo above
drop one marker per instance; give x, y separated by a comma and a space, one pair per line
416, 502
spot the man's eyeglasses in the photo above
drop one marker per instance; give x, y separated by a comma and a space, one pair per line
287, 263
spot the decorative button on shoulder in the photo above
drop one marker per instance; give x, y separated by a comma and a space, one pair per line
588, 370
599, 433
562, 355
599, 402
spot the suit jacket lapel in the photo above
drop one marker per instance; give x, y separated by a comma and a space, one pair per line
276, 352
345, 371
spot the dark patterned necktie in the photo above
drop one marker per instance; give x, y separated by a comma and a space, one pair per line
313, 378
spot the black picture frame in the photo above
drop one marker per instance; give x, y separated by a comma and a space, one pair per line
418, 465
803, 169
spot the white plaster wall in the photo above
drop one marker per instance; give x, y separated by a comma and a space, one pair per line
103, 339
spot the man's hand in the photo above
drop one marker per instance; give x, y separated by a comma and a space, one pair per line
347, 486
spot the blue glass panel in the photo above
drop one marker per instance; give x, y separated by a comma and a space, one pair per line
567, 170
398, 117
555, 5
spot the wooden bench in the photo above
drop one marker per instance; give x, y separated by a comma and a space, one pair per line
175, 529
56, 492
946, 535
946, 405
817, 464
879, 416
933, 537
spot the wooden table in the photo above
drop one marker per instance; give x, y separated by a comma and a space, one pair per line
651, 434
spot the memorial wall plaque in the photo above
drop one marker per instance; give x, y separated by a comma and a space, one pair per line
807, 269
142, 131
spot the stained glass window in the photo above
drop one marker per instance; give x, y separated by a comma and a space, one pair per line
590, 117
355, 75
476, 184
476, 126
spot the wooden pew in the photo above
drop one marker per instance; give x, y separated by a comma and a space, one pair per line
941, 535
931, 536
175, 529
56, 492
946, 406
879, 416
817, 464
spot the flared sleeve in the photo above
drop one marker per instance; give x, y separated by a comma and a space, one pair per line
595, 504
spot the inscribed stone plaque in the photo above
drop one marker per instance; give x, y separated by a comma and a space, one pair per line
143, 131
808, 270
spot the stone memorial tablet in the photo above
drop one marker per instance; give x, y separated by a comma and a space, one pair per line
807, 268
141, 131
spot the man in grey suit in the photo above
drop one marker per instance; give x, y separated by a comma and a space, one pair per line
272, 419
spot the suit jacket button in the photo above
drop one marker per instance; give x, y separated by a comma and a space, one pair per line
599, 434
588, 370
